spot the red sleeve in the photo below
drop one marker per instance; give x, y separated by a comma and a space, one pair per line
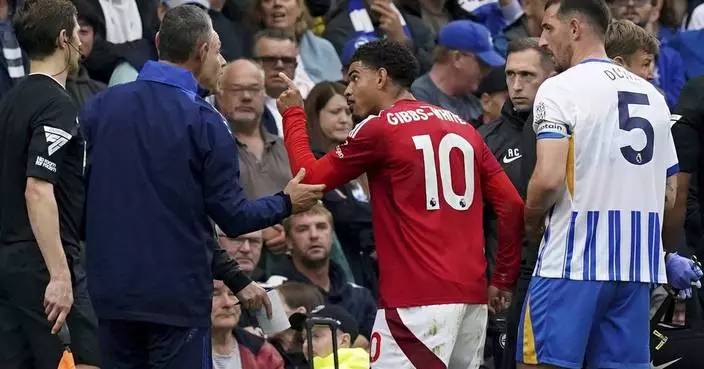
508, 205
346, 162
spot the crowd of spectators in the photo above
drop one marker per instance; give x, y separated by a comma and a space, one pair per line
326, 255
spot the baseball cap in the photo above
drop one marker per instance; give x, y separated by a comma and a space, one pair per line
347, 322
493, 82
352, 45
468, 36
205, 4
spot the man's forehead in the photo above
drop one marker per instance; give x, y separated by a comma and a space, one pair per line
255, 234
282, 46
552, 10
644, 54
319, 328
525, 59
358, 67
309, 218
243, 72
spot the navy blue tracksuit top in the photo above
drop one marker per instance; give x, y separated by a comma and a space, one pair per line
161, 162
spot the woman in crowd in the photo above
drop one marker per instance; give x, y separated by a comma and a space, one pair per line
329, 123
234, 347
317, 59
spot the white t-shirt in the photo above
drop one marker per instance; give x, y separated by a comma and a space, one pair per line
607, 223
231, 361
696, 20
122, 20
301, 79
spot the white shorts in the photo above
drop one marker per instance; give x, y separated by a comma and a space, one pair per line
429, 337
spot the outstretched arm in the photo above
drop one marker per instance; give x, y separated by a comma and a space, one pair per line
330, 170
225, 201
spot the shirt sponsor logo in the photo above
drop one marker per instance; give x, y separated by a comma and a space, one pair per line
56, 138
45, 163
511, 156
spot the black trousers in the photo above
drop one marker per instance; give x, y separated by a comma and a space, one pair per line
26, 341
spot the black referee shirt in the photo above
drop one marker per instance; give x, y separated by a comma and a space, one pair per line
39, 137
688, 130
688, 134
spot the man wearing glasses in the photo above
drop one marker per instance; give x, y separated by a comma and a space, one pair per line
277, 52
264, 167
246, 249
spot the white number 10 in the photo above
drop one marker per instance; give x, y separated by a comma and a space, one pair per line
448, 142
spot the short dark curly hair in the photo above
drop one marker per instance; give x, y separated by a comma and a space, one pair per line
38, 23
394, 56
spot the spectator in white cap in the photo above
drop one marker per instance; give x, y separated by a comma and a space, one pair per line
463, 56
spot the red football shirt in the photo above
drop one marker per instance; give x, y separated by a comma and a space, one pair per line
428, 173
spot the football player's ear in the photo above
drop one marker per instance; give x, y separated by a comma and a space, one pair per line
619, 60
382, 78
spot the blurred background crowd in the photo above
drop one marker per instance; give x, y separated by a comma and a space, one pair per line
326, 256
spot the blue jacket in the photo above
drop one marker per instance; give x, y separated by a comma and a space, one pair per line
357, 300
669, 74
689, 44
161, 164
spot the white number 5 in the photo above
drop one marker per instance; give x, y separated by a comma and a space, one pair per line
449, 141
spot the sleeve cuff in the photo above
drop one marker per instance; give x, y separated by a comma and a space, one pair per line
42, 174
236, 281
287, 204
673, 170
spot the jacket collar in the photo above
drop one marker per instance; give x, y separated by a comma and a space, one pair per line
514, 117
338, 281
170, 75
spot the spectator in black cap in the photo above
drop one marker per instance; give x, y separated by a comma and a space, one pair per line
492, 93
346, 333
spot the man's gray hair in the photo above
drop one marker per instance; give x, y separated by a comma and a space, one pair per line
182, 30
